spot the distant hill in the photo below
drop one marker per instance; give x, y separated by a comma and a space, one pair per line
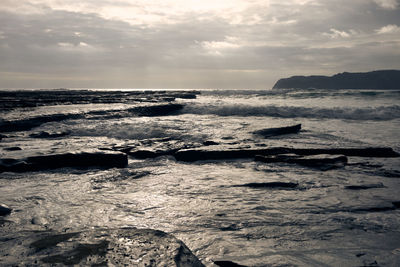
380, 79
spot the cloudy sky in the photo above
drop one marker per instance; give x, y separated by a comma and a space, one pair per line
191, 43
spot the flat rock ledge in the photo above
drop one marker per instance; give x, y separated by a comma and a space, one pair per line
190, 155
269, 132
322, 162
100, 159
100, 247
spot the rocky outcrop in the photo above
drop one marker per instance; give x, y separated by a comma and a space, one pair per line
190, 155
228, 264
156, 110
269, 132
12, 148
381, 79
394, 206
152, 148
27, 124
4, 210
146, 110
364, 186
30, 98
271, 185
75, 160
100, 247
323, 162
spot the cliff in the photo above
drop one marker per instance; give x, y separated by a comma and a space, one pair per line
380, 79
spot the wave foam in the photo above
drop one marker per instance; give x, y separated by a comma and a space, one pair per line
377, 113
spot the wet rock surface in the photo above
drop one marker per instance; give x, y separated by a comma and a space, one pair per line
150, 110
75, 160
65, 96
152, 148
156, 110
323, 162
13, 148
279, 131
271, 185
224, 263
364, 186
190, 155
4, 210
30, 123
383, 207
100, 247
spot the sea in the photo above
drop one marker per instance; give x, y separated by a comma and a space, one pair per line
343, 216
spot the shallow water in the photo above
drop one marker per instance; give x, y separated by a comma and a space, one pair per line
319, 223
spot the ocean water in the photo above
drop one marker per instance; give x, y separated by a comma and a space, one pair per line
321, 222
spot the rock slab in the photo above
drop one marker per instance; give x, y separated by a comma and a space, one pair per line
269, 132
4, 210
190, 155
100, 247
75, 160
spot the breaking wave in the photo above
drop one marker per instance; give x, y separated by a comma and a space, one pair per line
304, 94
376, 113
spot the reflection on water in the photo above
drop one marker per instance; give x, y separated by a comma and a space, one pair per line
319, 222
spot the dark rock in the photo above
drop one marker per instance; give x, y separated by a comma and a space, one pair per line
54, 161
382, 79
13, 148
276, 158
373, 209
190, 155
44, 134
186, 95
323, 162
271, 185
382, 208
396, 204
26, 98
144, 154
2, 136
389, 173
149, 154
210, 143
152, 148
279, 131
377, 152
27, 124
99, 247
4, 210
51, 241
364, 187
156, 110
228, 264
389, 207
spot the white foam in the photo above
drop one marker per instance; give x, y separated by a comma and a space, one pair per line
376, 113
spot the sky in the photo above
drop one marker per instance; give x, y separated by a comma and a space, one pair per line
221, 44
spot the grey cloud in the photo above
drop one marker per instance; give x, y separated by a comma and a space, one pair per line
62, 48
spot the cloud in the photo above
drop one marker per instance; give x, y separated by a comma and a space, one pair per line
337, 34
387, 4
188, 43
391, 28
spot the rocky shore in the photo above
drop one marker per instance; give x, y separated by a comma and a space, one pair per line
99, 247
